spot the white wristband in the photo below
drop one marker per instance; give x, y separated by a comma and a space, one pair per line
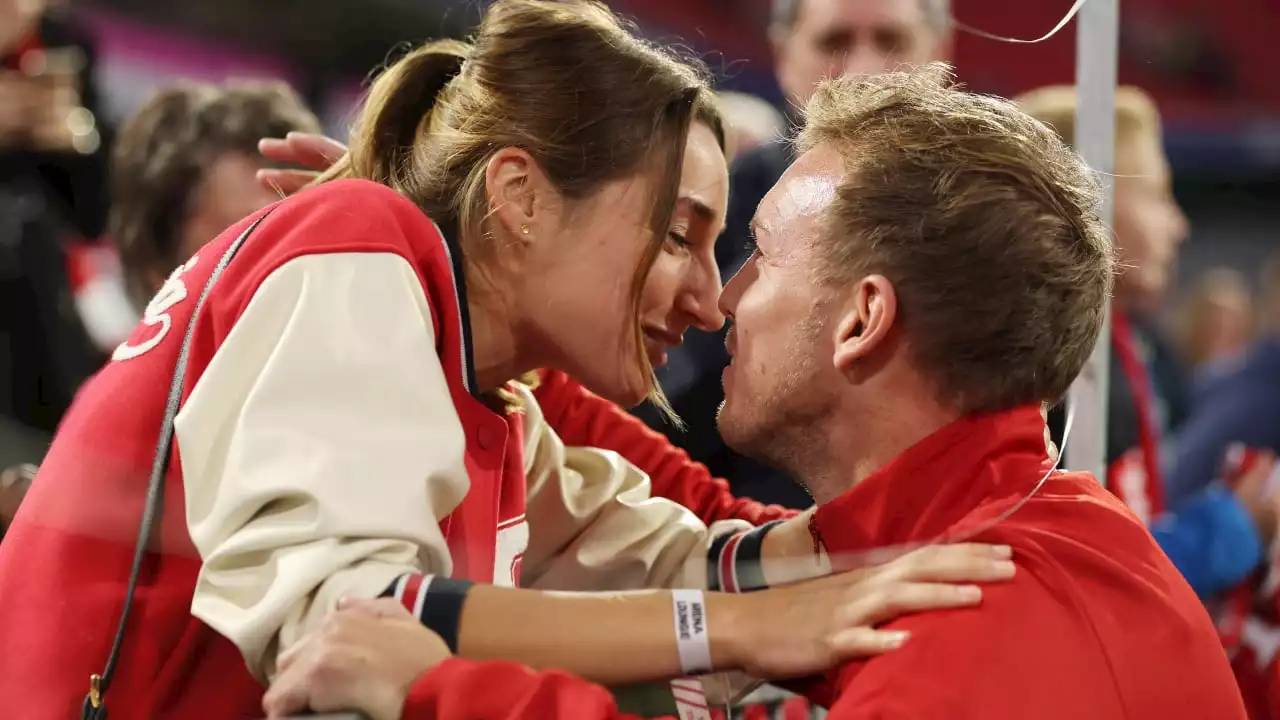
693, 641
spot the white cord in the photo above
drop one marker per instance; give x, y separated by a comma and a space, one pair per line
1021, 41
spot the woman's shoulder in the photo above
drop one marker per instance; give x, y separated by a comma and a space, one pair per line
352, 196
352, 216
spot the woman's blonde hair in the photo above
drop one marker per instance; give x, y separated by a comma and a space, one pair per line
563, 80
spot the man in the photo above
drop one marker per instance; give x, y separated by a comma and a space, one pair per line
811, 40
929, 273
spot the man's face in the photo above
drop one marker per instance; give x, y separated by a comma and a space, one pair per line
1149, 224
781, 376
859, 37
229, 193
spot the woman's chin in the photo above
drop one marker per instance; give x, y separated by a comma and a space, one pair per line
626, 392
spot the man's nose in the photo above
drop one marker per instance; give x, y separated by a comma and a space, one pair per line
863, 59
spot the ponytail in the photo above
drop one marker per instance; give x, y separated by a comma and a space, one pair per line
400, 102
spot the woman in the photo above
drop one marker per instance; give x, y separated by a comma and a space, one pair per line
347, 427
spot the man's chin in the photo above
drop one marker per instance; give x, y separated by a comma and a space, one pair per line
735, 433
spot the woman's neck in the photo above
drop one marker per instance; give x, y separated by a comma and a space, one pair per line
496, 349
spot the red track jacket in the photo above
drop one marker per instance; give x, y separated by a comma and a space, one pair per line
1097, 624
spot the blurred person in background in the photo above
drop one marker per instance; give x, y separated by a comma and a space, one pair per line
1215, 536
52, 197
1215, 323
182, 171
751, 122
1238, 406
811, 40
1237, 412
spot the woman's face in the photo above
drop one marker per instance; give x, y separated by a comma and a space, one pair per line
587, 318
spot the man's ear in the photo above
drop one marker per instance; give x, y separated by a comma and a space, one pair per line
513, 183
867, 320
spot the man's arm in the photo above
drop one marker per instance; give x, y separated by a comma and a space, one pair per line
582, 418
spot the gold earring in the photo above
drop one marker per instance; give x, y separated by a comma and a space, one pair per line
524, 229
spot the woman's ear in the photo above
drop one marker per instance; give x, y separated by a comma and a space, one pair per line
517, 191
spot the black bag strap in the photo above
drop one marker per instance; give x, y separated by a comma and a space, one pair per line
94, 706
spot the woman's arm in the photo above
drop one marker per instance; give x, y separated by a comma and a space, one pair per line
790, 631
594, 524
319, 449
371, 657
582, 418
376, 660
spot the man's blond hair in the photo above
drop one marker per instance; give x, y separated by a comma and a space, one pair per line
982, 218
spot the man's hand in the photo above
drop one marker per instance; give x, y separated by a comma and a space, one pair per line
316, 153
812, 626
365, 658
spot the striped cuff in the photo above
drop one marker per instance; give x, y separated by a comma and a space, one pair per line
436, 602
733, 562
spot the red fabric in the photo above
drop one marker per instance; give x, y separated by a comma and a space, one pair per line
582, 418
1136, 476
65, 561
1097, 623
459, 689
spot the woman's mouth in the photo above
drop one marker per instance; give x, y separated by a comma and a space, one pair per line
656, 343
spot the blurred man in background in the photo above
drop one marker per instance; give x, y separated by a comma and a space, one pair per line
811, 40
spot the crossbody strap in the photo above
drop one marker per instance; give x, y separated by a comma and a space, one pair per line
94, 706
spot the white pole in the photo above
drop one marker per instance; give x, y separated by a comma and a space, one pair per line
1097, 38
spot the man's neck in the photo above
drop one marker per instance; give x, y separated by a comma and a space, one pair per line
854, 444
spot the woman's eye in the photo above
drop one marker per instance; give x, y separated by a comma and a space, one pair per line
678, 240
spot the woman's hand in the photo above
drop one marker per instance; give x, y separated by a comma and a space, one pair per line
809, 627
365, 658
315, 153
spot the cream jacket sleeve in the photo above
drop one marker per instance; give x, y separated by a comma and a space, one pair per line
594, 526
319, 450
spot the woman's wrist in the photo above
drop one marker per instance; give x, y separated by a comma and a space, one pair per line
728, 624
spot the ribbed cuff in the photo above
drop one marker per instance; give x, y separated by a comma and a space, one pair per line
436, 602
734, 561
